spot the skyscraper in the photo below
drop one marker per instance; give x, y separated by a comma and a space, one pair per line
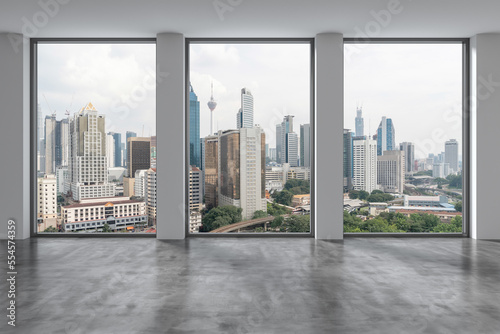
278, 143
194, 129
292, 149
138, 154
110, 150
242, 170
244, 117
359, 122
451, 154
386, 136
195, 194
305, 145
88, 173
347, 158
288, 144
391, 171
128, 134
409, 150
211, 170
56, 143
117, 138
365, 164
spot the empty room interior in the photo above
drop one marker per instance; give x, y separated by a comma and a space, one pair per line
174, 166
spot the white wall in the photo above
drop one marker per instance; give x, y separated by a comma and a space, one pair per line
14, 134
329, 132
485, 122
170, 123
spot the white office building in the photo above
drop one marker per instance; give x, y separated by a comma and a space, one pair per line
88, 170
365, 165
451, 154
244, 117
110, 150
140, 183
391, 171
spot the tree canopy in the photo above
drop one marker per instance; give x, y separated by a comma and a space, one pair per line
221, 216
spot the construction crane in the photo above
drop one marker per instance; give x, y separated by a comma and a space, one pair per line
67, 113
53, 113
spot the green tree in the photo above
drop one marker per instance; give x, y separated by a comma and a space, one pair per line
230, 213
51, 229
284, 197
353, 194
455, 181
363, 194
299, 223
458, 206
106, 228
259, 214
277, 221
376, 191
297, 187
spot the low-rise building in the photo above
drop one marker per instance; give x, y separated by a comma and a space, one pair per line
300, 200
378, 207
91, 214
444, 216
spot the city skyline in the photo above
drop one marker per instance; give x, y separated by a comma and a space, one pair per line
118, 79
418, 86
264, 69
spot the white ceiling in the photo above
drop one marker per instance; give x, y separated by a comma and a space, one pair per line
250, 18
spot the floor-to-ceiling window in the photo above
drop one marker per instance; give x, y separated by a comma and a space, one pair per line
403, 156
96, 136
249, 136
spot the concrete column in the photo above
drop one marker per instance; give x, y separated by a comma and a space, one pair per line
485, 120
170, 124
329, 119
15, 134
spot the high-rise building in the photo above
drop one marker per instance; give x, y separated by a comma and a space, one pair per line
117, 139
138, 154
88, 173
194, 129
278, 143
153, 151
56, 143
391, 171
347, 158
305, 145
151, 195
211, 170
128, 134
292, 149
451, 154
47, 202
365, 164
409, 150
272, 154
110, 150
244, 117
140, 183
195, 194
242, 170
386, 136
287, 147
359, 122
440, 170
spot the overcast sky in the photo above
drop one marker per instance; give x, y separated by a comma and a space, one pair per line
277, 75
119, 80
419, 86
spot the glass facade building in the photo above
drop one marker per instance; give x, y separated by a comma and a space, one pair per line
194, 129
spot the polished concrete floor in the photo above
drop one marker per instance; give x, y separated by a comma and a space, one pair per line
388, 285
